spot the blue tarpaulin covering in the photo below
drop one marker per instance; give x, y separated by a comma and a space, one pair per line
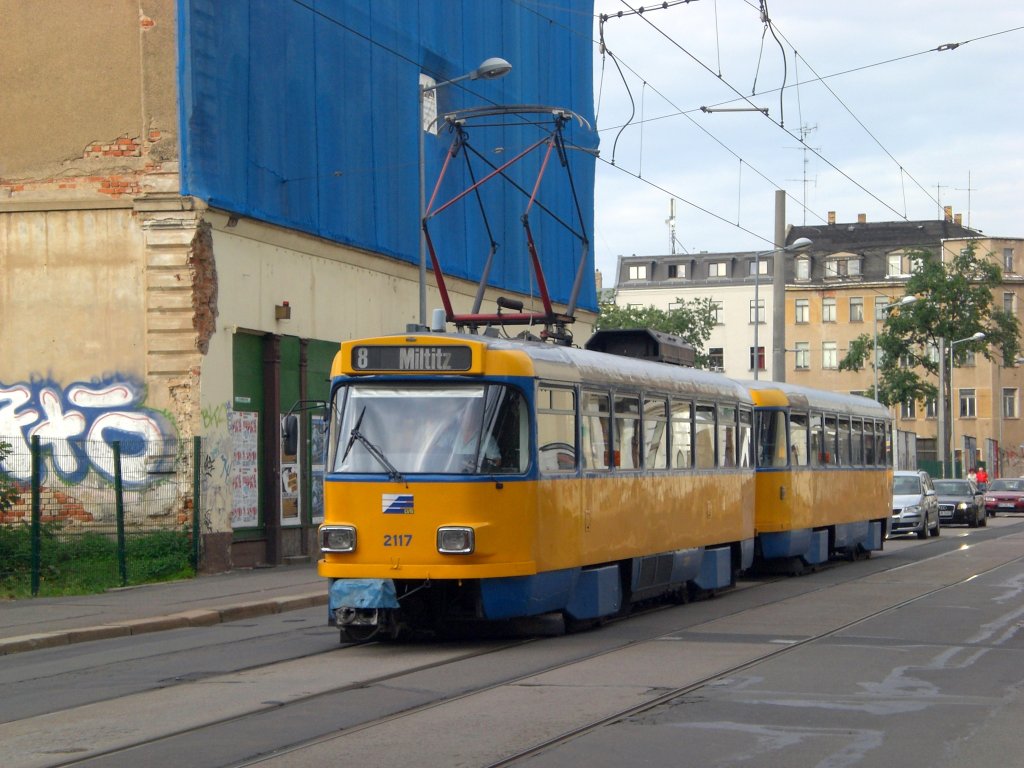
362, 593
304, 113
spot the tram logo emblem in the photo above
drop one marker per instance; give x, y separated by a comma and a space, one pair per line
396, 503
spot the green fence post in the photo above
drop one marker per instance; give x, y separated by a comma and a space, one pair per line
36, 515
122, 565
197, 445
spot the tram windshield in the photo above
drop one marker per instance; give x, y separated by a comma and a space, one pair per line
429, 428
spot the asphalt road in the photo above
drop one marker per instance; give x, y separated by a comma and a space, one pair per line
912, 658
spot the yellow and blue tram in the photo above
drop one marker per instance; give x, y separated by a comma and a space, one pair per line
824, 475
471, 477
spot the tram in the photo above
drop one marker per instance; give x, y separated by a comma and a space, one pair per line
479, 478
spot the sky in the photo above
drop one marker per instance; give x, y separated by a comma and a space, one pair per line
892, 128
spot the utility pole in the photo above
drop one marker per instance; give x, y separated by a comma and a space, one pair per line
778, 291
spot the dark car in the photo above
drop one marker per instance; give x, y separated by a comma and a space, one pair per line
1005, 495
960, 501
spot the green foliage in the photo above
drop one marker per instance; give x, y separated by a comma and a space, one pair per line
692, 321
8, 491
955, 301
83, 563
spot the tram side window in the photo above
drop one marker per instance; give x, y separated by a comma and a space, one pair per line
705, 437
556, 429
682, 435
881, 441
627, 432
831, 430
726, 436
870, 459
655, 433
746, 458
798, 439
596, 423
845, 459
771, 438
819, 452
857, 443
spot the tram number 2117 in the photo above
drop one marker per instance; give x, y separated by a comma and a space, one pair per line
397, 539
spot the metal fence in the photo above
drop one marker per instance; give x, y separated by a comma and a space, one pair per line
89, 515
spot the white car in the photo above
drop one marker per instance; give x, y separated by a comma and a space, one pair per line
915, 506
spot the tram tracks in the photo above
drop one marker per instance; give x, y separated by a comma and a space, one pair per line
431, 699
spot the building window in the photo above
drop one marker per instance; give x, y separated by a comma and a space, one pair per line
717, 269
638, 272
803, 268
933, 352
894, 266
908, 409
757, 314
828, 310
634, 306
758, 267
803, 311
856, 309
716, 358
829, 355
803, 355
1007, 259
674, 306
718, 312
931, 408
853, 267
1009, 402
676, 270
1008, 304
760, 358
968, 405
970, 359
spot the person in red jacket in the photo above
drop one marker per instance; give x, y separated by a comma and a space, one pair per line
982, 478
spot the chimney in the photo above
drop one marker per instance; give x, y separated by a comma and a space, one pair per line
831, 218
958, 219
862, 218
948, 211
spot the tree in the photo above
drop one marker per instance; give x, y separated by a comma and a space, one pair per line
691, 320
954, 302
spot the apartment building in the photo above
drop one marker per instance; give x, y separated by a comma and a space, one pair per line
839, 288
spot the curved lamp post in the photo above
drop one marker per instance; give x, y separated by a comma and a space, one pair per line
800, 244
952, 399
489, 69
905, 301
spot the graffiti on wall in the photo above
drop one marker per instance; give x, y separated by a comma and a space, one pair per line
78, 424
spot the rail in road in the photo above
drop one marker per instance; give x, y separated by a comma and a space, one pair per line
520, 700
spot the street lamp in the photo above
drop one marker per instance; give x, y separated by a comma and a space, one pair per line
800, 244
905, 301
952, 422
490, 69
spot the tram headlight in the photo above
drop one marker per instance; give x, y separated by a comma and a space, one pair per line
456, 540
337, 538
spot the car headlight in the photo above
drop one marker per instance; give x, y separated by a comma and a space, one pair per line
337, 538
914, 511
990, 499
962, 506
456, 540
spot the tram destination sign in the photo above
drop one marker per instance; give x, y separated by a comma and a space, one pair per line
416, 358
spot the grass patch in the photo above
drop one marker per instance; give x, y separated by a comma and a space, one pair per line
87, 563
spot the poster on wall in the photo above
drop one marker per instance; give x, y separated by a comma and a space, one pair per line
291, 495
243, 429
318, 455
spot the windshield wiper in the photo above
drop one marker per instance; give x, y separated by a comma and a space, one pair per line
373, 450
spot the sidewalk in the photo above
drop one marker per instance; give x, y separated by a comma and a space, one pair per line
46, 622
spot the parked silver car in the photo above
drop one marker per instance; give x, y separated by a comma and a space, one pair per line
915, 506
